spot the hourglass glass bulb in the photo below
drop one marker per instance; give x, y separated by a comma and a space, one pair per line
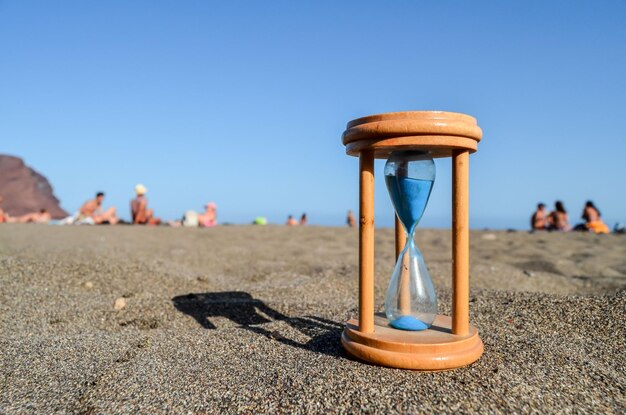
409, 176
411, 302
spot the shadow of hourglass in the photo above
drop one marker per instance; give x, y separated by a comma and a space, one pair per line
251, 314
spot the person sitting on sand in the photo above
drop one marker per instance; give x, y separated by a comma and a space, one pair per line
303, 219
350, 219
93, 209
291, 221
3, 216
539, 220
209, 217
139, 208
593, 222
558, 220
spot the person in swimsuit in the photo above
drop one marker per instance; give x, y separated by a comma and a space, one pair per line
539, 220
43, 216
593, 222
558, 219
3, 216
291, 221
139, 208
209, 217
303, 219
93, 209
350, 220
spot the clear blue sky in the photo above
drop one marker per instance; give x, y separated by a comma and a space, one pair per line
244, 103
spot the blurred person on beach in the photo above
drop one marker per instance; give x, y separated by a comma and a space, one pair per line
3, 216
291, 221
43, 216
193, 219
558, 219
303, 219
139, 210
350, 219
593, 222
539, 220
208, 218
93, 209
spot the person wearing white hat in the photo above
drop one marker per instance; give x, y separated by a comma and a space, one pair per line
140, 189
139, 208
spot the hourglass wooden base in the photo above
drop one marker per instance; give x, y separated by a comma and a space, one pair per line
434, 349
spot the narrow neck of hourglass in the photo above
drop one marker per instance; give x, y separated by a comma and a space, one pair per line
409, 243
409, 233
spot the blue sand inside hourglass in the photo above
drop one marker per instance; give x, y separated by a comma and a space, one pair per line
409, 197
408, 323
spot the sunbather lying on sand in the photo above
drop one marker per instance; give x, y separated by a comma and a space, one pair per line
43, 216
36, 217
93, 209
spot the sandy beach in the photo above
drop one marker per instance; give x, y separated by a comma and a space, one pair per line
243, 319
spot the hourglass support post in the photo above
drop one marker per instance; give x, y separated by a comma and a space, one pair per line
460, 242
400, 237
404, 299
366, 241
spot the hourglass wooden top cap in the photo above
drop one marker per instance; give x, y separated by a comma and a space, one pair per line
439, 132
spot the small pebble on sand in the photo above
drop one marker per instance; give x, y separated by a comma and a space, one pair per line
120, 303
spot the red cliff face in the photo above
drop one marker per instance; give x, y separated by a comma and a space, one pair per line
24, 190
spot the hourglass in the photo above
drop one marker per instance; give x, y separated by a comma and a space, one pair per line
411, 334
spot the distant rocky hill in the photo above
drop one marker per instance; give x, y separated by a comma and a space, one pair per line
24, 190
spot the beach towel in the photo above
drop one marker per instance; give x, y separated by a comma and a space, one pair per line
597, 226
190, 219
77, 219
259, 220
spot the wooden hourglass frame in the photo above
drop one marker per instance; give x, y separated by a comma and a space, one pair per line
451, 342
